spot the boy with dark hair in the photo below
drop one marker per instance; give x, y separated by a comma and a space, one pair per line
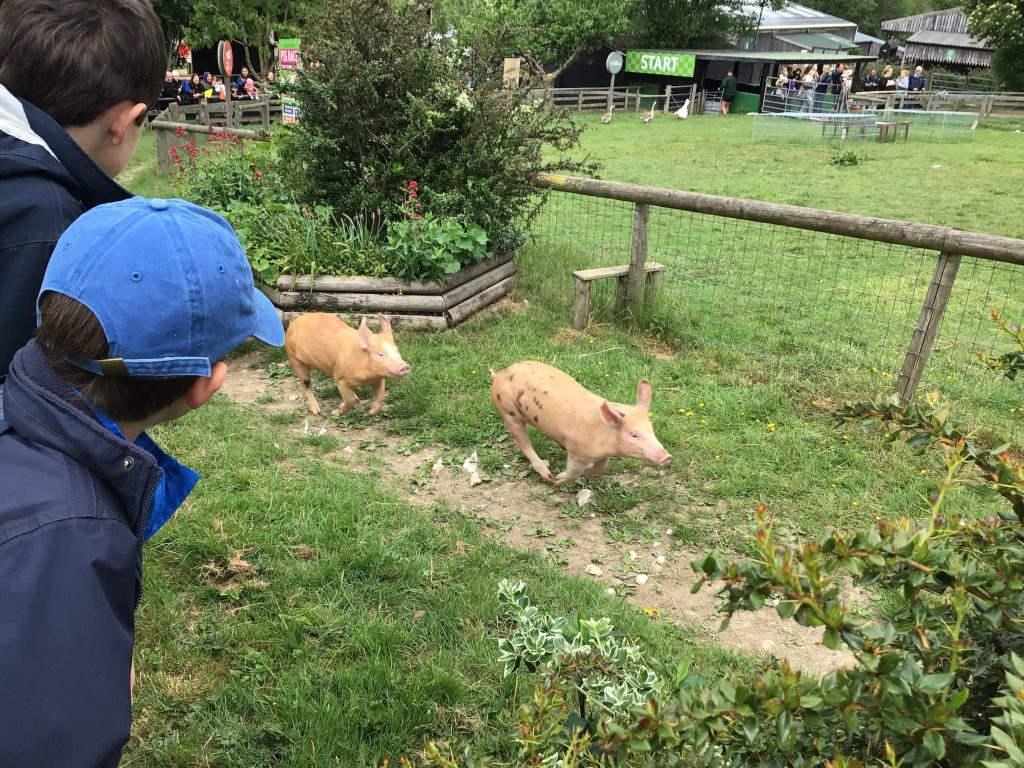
141, 301
77, 78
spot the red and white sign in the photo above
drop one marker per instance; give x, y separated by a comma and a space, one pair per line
225, 58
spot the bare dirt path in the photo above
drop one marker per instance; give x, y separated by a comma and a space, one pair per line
527, 514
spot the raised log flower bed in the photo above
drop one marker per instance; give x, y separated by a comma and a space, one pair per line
432, 305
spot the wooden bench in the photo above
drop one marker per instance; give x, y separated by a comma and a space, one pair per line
584, 277
895, 128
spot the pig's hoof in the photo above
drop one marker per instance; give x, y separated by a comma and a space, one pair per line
373, 412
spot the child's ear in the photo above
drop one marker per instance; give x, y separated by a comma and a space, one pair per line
205, 387
122, 117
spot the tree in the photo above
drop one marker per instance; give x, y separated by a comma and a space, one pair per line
251, 22
174, 18
1001, 24
550, 34
686, 23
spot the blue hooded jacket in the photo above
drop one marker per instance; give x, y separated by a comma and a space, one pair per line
77, 503
46, 182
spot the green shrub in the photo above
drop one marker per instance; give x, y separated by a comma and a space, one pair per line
383, 100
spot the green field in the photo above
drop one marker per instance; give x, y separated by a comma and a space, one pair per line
301, 611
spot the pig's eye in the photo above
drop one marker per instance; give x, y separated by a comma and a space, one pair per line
635, 435
380, 354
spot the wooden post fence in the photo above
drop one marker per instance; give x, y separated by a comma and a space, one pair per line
951, 245
637, 257
927, 327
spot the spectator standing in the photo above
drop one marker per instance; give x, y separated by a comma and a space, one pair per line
729, 88
191, 90
59, 148
838, 78
917, 80
903, 81
270, 87
169, 90
888, 80
821, 88
807, 85
871, 82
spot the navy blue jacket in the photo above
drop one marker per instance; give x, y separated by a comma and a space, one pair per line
76, 502
46, 182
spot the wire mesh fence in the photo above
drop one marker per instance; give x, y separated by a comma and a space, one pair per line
837, 127
834, 311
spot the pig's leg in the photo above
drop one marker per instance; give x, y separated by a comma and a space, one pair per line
348, 397
597, 468
573, 469
302, 371
518, 431
378, 397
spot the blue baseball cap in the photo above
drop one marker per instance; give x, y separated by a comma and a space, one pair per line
167, 280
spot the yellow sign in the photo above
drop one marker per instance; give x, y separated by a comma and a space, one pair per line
511, 73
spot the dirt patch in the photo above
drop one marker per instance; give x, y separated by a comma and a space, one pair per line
530, 515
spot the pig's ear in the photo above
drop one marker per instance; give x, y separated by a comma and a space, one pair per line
364, 335
643, 395
610, 414
385, 324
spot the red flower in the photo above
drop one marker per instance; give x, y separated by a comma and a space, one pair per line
180, 131
257, 175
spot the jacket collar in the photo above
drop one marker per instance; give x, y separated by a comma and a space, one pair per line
43, 409
34, 126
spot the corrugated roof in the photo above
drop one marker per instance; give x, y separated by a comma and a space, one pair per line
860, 37
793, 16
813, 41
947, 40
948, 20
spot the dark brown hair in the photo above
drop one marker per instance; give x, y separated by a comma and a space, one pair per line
70, 329
74, 59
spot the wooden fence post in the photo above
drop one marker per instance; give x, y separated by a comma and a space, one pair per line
637, 257
579, 100
163, 150
668, 97
928, 323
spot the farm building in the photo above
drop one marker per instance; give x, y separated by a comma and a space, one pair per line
793, 35
940, 37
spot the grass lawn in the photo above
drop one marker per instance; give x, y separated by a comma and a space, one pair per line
300, 612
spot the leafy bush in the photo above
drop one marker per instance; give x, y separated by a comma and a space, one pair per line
384, 100
845, 159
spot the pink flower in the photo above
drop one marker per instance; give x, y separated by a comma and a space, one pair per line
180, 131
257, 175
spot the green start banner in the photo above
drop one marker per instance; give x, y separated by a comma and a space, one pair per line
660, 63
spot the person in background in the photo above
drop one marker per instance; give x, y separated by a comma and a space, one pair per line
270, 87
729, 88
807, 84
219, 90
838, 78
169, 90
239, 81
888, 80
249, 90
821, 88
903, 81
191, 90
871, 82
917, 80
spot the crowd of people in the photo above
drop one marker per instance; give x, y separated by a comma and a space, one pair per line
890, 81
803, 88
197, 88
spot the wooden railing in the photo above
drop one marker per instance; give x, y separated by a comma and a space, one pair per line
210, 119
985, 104
950, 244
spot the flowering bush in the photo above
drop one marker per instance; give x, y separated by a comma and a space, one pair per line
423, 247
388, 101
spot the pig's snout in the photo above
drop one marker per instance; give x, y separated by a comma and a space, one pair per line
663, 458
402, 370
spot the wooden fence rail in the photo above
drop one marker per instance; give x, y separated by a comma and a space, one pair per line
985, 104
950, 244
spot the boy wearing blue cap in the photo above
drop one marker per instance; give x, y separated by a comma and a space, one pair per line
141, 301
